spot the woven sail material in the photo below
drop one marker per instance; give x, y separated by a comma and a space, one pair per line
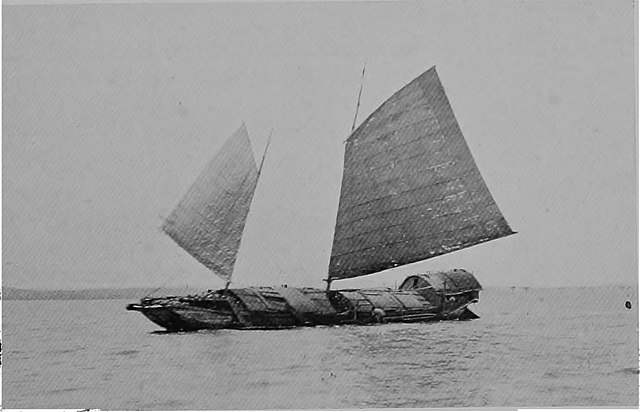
209, 221
411, 189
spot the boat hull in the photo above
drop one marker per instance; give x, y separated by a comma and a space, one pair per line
175, 319
277, 308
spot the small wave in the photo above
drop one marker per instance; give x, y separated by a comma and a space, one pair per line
403, 340
65, 390
629, 371
173, 332
63, 351
126, 353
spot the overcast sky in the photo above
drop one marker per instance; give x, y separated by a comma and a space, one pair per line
111, 111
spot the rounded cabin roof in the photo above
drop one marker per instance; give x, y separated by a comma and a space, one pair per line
453, 281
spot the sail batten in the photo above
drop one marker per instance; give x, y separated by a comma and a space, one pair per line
405, 231
410, 189
411, 197
413, 216
209, 220
415, 197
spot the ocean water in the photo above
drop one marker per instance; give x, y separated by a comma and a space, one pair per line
535, 347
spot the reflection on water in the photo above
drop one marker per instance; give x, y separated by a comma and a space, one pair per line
535, 347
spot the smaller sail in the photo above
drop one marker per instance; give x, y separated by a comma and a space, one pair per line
209, 221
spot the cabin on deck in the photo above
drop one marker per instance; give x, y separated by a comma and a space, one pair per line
439, 288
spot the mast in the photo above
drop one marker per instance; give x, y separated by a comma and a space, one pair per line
353, 126
265, 152
355, 117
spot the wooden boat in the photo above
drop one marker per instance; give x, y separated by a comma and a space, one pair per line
410, 191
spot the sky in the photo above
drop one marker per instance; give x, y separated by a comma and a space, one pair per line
110, 112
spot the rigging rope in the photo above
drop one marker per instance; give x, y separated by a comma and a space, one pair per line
359, 96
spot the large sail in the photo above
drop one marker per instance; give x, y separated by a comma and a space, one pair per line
209, 221
411, 189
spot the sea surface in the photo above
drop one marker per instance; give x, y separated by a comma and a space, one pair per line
534, 347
